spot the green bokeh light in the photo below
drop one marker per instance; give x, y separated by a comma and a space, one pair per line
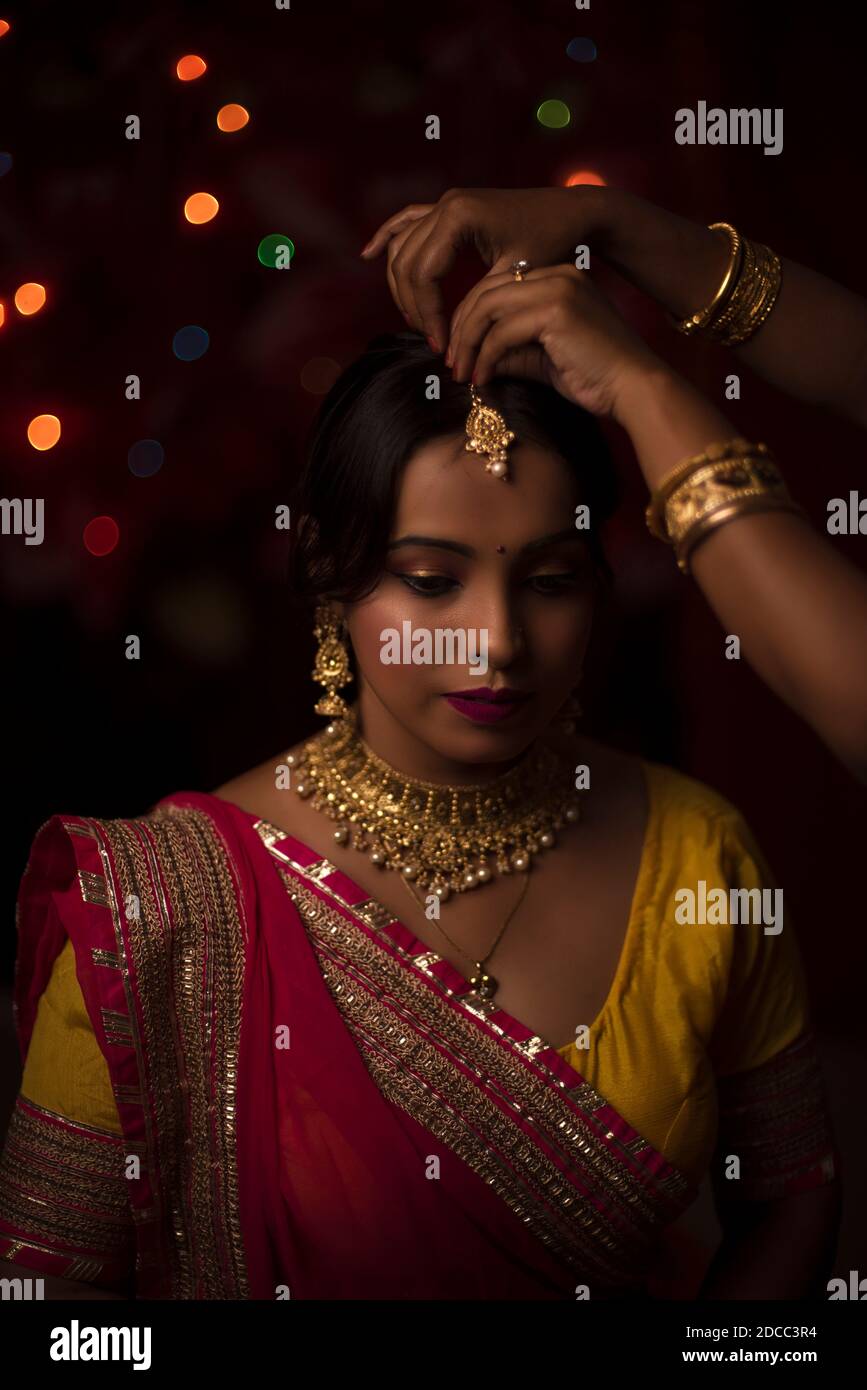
269, 247
554, 114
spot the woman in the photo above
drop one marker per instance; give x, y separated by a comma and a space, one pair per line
412, 1011
797, 604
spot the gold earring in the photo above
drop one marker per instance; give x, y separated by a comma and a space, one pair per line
331, 667
569, 713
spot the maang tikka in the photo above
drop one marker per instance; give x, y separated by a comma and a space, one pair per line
331, 667
487, 433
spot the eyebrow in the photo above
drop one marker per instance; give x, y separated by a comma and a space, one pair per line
568, 534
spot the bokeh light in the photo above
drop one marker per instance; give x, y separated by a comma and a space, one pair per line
190, 343
232, 117
269, 249
43, 431
145, 458
5, 162
319, 375
581, 50
29, 298
201, 207
2, 313
553, 114
190, 67
101, 535
4, 27
585, 176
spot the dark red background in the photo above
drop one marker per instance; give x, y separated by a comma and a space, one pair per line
338, 95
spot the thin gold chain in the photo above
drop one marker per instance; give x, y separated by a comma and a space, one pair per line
477, 963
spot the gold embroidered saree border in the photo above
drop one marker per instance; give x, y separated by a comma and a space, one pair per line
491, 1098
64, 1196
185, 947
166, 1002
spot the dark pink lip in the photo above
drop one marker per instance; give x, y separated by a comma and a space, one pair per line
484, 692
485, 711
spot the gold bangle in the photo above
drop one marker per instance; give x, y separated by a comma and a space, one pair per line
716, 484
695, 322
729, 479
752, 299
729, 448
748, 506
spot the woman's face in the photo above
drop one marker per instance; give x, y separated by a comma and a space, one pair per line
502, 568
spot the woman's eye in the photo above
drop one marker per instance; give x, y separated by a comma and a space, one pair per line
437, 585
554, 583
430, 585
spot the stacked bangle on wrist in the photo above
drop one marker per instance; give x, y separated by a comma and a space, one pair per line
746, 295
726, 481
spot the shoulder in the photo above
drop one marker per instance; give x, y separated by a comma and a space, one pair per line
68, 842
261, 791
86, 868
698, 844
693, 816
682, 813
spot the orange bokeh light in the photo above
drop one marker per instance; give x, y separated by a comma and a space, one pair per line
2, 313
585, 176
4, 27
29, 298
190, 67
232, 117
43, 431
201, 207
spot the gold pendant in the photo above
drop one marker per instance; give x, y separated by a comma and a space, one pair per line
484, 985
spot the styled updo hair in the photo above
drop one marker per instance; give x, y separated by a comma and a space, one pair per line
375, 417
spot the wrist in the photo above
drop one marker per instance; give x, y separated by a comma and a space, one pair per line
627, 230
640, 390
667, 420
591, 219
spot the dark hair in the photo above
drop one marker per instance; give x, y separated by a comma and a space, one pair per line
375, 417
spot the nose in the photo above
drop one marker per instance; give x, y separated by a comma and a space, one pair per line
506, 639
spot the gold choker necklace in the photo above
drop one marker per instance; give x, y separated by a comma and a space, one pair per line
440, 837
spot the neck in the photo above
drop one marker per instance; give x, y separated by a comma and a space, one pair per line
407, 754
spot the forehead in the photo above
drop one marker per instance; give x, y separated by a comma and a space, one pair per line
445, 490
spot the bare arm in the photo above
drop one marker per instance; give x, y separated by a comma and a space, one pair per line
813, 345
781, 1249
797, 605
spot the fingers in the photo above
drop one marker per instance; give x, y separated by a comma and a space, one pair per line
492, 278
422, 242
394, 247
527, 362
517, 330
423, 304
504, 295
424, 259
397, 223
406, 252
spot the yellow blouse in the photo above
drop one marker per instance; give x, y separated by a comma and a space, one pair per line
688, 1003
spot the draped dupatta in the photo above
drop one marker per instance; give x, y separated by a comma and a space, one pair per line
320, 1107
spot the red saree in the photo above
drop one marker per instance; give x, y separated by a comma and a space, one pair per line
320, 1108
